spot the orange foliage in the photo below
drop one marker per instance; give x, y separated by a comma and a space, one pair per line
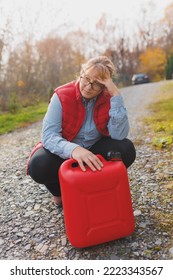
152, 62
20, 83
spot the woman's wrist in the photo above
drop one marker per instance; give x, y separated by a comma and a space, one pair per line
115, 93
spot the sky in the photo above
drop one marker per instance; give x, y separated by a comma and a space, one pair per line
44, 16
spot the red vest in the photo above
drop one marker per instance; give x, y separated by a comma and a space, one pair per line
73, 110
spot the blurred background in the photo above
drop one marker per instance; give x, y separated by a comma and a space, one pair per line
44, 43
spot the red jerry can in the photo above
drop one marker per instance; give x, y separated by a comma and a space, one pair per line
97, 205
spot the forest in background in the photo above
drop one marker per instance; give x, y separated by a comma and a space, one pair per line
30, 70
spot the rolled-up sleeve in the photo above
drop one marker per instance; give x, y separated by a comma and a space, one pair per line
52, 131
118, 125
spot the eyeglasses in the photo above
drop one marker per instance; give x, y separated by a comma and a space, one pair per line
94, 85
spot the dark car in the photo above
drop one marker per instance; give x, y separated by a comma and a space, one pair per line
140, 79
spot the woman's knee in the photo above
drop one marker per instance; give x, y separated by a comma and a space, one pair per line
128, 151
125, 147
39, 166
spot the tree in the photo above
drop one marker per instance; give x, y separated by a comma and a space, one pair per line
153, 61
20, 73
145, 36
58, 62
169, 68
165, 39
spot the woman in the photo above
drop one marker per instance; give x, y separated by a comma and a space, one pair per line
84, 118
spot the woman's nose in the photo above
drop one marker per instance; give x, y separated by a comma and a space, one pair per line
89, 86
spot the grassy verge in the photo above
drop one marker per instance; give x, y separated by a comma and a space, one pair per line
9, 122
159, 127
161, 119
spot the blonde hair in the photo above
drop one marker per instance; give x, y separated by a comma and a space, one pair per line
102, 64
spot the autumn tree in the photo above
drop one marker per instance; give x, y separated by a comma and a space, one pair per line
58, 62
166, 30
20, 75
5, 36
145, 35
152, 61
169, 68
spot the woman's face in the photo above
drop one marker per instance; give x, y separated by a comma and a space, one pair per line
89, 87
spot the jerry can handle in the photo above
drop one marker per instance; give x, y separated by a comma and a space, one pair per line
73, 162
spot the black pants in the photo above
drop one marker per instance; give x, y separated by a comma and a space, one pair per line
44, 166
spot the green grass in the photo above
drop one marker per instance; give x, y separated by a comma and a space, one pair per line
26, 116
161, 119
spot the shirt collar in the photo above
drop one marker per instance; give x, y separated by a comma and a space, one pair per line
93, 100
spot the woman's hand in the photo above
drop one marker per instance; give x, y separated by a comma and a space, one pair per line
82, 156
110, 86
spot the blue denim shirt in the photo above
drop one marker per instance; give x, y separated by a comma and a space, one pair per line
88, 135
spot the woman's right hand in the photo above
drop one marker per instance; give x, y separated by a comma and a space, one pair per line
83, 155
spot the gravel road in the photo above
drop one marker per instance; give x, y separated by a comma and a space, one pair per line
32, 228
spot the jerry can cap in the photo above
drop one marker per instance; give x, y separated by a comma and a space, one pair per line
114, 156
